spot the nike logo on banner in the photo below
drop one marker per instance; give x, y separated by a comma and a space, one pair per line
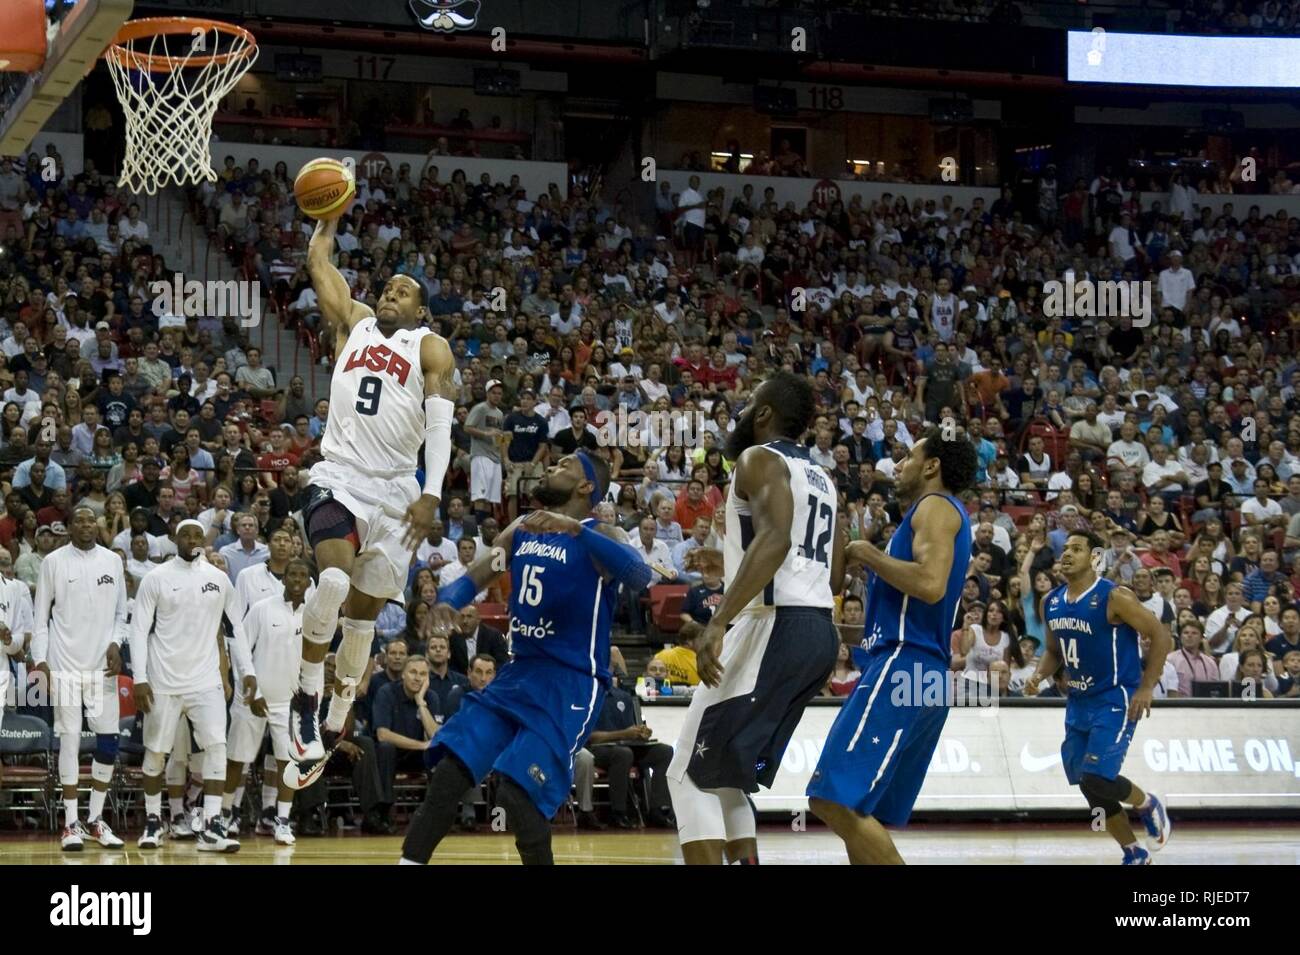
1036, 764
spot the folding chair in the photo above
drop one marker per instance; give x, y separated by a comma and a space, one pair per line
25, 751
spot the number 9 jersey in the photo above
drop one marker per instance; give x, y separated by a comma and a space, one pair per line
804, 577
376, 417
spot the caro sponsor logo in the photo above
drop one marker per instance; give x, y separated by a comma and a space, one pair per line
532, 631
75, 908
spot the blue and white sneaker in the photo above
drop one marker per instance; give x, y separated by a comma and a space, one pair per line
1136, 855
1156, 820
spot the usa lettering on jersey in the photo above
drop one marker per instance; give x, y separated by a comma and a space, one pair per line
379, 358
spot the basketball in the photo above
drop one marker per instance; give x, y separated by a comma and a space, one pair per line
324, 188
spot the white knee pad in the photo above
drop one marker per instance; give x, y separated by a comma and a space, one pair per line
699, 812
320, 615
738, 814
68, 766
153, 764
214, 762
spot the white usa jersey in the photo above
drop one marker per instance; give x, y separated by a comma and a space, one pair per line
376, 418
804, 577
943, 316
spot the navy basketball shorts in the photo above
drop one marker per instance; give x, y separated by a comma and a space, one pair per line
879, 748
775, 660
526, 724
1097, 734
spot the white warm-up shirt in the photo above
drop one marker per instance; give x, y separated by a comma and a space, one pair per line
182, 603
274, 629
80, 608
255, 583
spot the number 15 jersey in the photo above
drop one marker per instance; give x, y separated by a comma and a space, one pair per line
804, 577
376, 416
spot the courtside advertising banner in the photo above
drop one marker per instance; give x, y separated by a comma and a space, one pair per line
1007, 758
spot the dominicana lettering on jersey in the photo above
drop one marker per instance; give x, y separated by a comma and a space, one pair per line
542, 549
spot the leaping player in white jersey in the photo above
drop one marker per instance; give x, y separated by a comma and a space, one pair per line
364, 513
784, 559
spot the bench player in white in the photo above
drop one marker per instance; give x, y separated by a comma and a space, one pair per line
255, 583
364, 512
178, 672
78, 625
274, 631
784, 560
15, 628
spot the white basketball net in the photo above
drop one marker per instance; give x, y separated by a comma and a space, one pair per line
169, 112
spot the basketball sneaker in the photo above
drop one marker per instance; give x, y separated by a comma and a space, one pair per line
98, 830
73, 837
305, 743
266, 822
214, 838
1157, 823
152, 836
1136, 855
283, 832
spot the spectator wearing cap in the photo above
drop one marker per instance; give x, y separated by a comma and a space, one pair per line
1119, 561
92, 348
48, 536
485, 427
527, 450
144, 492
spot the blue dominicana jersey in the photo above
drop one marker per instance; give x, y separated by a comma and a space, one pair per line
1098, 654
560, 608
895, 618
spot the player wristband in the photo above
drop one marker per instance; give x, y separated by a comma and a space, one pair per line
438, 414
459, 593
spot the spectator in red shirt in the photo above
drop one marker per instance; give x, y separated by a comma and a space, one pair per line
11, 525
1160, 556
272, 462
693, 505
720, 376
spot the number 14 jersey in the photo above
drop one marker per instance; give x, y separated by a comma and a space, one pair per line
804, 577
376, 416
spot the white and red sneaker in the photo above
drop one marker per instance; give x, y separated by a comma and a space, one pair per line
98, 830
73, 837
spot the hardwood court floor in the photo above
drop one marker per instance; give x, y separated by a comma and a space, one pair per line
974, 843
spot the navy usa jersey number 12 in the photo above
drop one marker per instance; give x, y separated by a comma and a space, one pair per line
816, 508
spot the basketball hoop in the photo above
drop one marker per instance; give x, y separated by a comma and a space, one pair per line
171, 74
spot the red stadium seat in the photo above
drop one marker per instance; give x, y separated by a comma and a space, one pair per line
666, 603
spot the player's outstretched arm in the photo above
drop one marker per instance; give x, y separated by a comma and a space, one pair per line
1124, 607
483, 571
925, 577
338, 310
439, 368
